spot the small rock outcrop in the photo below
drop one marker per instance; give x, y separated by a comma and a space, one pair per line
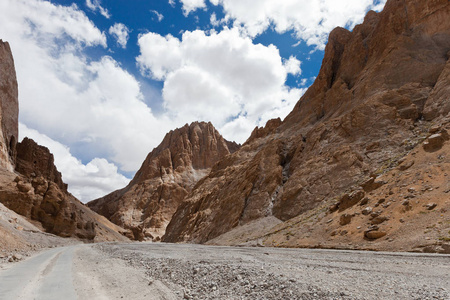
34, 161
168, 174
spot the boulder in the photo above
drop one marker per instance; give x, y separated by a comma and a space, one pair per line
378, 220
431, 206
371, 184
345, 219
367, 211
374, 234
350, 199
433, 142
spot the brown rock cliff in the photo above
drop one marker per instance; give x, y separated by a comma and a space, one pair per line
9, 107
378, 91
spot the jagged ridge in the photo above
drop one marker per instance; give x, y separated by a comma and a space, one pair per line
167, 175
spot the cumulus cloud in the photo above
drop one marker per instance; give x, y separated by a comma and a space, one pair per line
158, 15
311, 20
121, 33
86, 181
192, 5
222, 77
41, 20
95, 5
292, 66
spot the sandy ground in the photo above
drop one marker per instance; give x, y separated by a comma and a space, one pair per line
174, 271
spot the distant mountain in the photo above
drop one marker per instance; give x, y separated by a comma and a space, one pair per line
166, 177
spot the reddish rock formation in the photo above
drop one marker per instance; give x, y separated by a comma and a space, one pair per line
169, 172
55, 210
36, 190
364, 112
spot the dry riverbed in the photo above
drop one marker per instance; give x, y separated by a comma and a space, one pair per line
211, 272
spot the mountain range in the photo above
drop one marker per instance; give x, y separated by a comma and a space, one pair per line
361, 162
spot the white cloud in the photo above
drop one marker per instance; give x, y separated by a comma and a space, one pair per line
45, 22
120, 32
311, 20
158, 15
216, 22
86, 181
192, 5
94, 107
213, 20
221, 77
153, 59
292, 66
95, 5
172, 3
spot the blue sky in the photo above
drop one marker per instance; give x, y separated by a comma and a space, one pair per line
144, 16
101, 82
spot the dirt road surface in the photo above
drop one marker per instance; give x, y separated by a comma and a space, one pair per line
168, 271
44, 276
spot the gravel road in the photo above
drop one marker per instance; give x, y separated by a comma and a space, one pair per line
47, 275
168, 271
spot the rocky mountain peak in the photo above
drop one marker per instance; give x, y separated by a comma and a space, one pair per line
167, 175
196, 146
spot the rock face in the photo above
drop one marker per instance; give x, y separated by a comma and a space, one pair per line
34, 161
55, 210
378, 91
9, 107
167, 175
36, 190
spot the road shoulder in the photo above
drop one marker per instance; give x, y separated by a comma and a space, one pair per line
98, 276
